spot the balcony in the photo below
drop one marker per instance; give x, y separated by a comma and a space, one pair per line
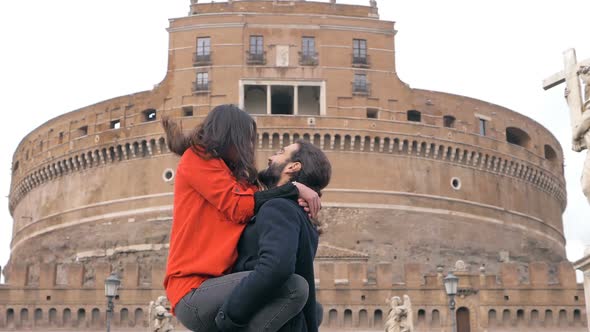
361, 88
201, 87
201, 59
361, 61
308, 58
256, 58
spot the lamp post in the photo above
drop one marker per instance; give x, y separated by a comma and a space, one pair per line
451, 283
111, 289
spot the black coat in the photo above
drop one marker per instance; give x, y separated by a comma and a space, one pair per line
279, 242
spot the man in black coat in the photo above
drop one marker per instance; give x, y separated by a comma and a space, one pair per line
280, 241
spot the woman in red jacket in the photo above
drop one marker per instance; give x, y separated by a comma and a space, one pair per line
215, 195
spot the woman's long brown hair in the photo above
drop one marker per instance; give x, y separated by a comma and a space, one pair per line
227, 133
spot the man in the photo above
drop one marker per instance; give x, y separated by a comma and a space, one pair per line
281, 241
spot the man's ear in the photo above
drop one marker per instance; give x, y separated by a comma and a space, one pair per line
293, 167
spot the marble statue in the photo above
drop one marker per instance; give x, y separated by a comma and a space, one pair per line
160, 317
400, 318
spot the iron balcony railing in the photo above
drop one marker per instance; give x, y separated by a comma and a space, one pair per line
201, 59
361, 88
361, 61
256, 58
201, 87
308, 58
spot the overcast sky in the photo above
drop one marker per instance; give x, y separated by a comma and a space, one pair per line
61, 55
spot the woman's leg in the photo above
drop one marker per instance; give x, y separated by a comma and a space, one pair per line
197, 309
286, 304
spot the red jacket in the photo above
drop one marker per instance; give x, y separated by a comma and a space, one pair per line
210, 212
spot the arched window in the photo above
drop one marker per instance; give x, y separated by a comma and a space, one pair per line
378, 319
421, 317
52, 317
506, 317
520, 317
347, 318
548, 318
550, 153
24, 316
139, 319
363, 319
492, 318
81, 321
67, 317
333, 318
414, 116
435, 320
577, 316
562, 317
95, 318
38, 316
535, 317
449, 121
124, 317
10, 318
517, 136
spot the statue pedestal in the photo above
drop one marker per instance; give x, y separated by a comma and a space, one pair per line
584, 266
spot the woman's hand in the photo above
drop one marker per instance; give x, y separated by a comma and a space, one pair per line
310, 197
304, 205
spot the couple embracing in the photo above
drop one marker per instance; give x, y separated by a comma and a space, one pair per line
243, 242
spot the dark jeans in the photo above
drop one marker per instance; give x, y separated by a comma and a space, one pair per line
197, 309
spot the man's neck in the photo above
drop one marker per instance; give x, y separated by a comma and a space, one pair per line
284, 180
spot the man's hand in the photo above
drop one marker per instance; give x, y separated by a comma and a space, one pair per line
310, 197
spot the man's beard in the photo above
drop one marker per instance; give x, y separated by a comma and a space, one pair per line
270, 176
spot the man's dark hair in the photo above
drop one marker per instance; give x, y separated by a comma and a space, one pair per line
316, 169
226, 130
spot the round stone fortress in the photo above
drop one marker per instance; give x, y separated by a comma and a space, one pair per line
419, 176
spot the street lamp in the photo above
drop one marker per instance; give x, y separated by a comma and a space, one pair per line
451, 283
111, 289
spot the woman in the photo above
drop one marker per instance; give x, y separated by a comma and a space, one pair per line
215, 195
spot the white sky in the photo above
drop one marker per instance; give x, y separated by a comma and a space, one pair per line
61, 55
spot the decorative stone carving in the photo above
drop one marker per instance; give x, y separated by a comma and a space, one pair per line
579, 106
400, 318
159, 315
581, 133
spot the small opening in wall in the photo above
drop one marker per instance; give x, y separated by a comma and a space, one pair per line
449, 121
506, 298
363, 297
48, 297
414, 116
394, 257
576, 298
61, 137
82, 131
372, 113
149, 115
115, 124
456, 183
187, 111
168, 175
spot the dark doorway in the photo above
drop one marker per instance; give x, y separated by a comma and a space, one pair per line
282, 99
463, 320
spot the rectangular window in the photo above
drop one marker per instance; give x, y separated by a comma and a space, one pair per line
360, 83
61, 137
82, 131
308, 46
482, 127
372, 113
203, 46
187, 111
256, 45
115, 124
202, 83
359, 50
